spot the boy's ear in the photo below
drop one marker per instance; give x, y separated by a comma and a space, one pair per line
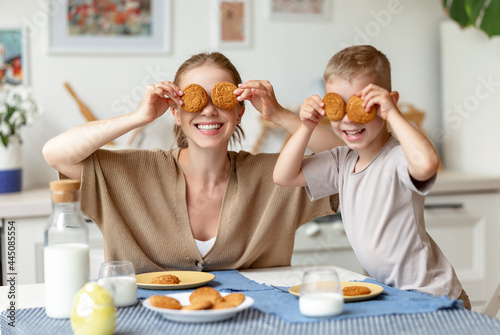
395, 96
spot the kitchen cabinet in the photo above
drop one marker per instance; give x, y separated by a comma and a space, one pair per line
463, 217
323, 241
23, 216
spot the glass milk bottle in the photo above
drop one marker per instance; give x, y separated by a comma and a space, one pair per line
66, 249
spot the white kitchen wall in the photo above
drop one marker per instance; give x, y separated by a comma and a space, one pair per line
471, 100
291, 55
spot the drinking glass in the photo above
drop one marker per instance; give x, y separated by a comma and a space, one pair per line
119, 278
321, 293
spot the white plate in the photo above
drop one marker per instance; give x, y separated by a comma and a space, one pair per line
197, 316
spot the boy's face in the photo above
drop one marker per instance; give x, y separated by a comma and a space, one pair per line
357, 136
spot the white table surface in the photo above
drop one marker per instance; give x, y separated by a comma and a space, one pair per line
33, 295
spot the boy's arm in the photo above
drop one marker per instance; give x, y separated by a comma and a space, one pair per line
287, 171
423, 160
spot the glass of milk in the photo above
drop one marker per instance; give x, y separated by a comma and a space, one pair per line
118, 277
321, 293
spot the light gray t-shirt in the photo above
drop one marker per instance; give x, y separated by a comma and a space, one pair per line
383, 214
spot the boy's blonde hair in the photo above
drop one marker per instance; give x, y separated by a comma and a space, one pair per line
359, 60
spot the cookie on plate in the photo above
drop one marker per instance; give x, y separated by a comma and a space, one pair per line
355, 290
222, 305
234, 299
223, 95
195, 98
205, 294
162, 301
334, 106
199, 305
165, 279
357, 113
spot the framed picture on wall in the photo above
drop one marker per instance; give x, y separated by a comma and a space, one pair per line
13, 62
110, 26
233, 27
299, 10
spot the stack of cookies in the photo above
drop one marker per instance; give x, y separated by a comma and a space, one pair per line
201, 299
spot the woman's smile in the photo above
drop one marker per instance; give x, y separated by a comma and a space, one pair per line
209, 127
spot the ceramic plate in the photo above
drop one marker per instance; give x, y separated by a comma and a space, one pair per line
197, 316
375, 290
187, 279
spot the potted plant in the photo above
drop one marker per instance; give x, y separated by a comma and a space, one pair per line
17, 109
482, 14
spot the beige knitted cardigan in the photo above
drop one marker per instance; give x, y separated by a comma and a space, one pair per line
137, 198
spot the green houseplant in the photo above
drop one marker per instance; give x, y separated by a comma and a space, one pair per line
482, 14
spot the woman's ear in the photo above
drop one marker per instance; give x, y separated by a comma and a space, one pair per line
175, 113
241, 113
395, 96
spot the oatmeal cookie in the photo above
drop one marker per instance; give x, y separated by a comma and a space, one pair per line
357, 113
162, 301
334, 106
165, 279
195, 98
223, 95
355, 290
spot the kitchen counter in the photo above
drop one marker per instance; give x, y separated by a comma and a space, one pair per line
449, 182
28, 203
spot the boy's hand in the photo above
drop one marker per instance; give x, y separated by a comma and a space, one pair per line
312, 111
375, 95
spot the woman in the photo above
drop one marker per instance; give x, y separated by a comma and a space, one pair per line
199, 206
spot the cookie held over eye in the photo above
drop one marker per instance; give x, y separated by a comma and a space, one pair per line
195, 98
334, 106
223, 95
357, 113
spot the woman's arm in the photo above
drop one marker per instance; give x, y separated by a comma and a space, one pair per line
66, 152
261, 94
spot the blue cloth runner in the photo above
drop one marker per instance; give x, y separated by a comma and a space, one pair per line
394, 312
271, 300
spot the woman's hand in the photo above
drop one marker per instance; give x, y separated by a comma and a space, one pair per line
261, 94
158, 98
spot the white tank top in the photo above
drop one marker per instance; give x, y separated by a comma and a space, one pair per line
205, 246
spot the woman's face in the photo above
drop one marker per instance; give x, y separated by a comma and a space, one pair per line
212, 126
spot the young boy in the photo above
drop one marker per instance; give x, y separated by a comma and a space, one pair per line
382, 181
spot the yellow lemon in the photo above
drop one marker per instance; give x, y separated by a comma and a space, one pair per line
94, 311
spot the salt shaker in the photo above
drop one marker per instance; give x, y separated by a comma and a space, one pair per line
66, 249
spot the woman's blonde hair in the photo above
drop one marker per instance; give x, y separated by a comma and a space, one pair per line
358, 60
215, 59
